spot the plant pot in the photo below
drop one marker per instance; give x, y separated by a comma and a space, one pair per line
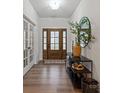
76, 50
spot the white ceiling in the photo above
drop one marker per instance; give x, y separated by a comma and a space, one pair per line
65, 10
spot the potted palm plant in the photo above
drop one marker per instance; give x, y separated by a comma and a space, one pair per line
82, 30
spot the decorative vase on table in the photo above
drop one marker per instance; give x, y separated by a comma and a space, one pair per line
76, 50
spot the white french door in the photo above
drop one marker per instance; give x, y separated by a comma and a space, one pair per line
28, 44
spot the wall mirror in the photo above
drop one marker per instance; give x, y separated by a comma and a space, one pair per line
85, 31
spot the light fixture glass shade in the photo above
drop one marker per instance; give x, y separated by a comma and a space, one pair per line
54, 4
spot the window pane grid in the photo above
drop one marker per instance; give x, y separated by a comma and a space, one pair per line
64, 34
56, 47
64, 40
28, 42
64, 46
45, 40
24, 63
56, 34
54, 42
45, 46
52, 34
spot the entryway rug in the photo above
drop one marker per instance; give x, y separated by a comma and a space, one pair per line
54, 61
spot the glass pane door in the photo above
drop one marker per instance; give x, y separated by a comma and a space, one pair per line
54, 43
31, 44
28, 43
54, 40
25, 28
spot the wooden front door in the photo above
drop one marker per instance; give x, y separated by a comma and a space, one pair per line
54, 43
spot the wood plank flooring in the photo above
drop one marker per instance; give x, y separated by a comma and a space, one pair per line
48, 79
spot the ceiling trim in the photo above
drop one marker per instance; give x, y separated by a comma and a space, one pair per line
28, 19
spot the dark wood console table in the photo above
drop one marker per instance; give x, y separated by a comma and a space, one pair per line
83, 60
77, 76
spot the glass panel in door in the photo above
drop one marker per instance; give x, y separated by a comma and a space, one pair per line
54, 40
45, 40
64, 40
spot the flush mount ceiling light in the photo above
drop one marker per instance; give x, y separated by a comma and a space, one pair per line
54, 4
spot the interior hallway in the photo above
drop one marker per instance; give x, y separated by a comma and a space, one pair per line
44, 78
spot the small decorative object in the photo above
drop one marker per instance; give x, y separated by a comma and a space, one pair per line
76, 50
77, 66
82, 30
74, 64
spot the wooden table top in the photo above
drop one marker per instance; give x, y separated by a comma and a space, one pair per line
81, 58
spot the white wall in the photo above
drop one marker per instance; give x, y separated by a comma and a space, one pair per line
91, 9
29, 11
55, 23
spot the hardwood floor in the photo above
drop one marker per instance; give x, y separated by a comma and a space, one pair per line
48, 79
